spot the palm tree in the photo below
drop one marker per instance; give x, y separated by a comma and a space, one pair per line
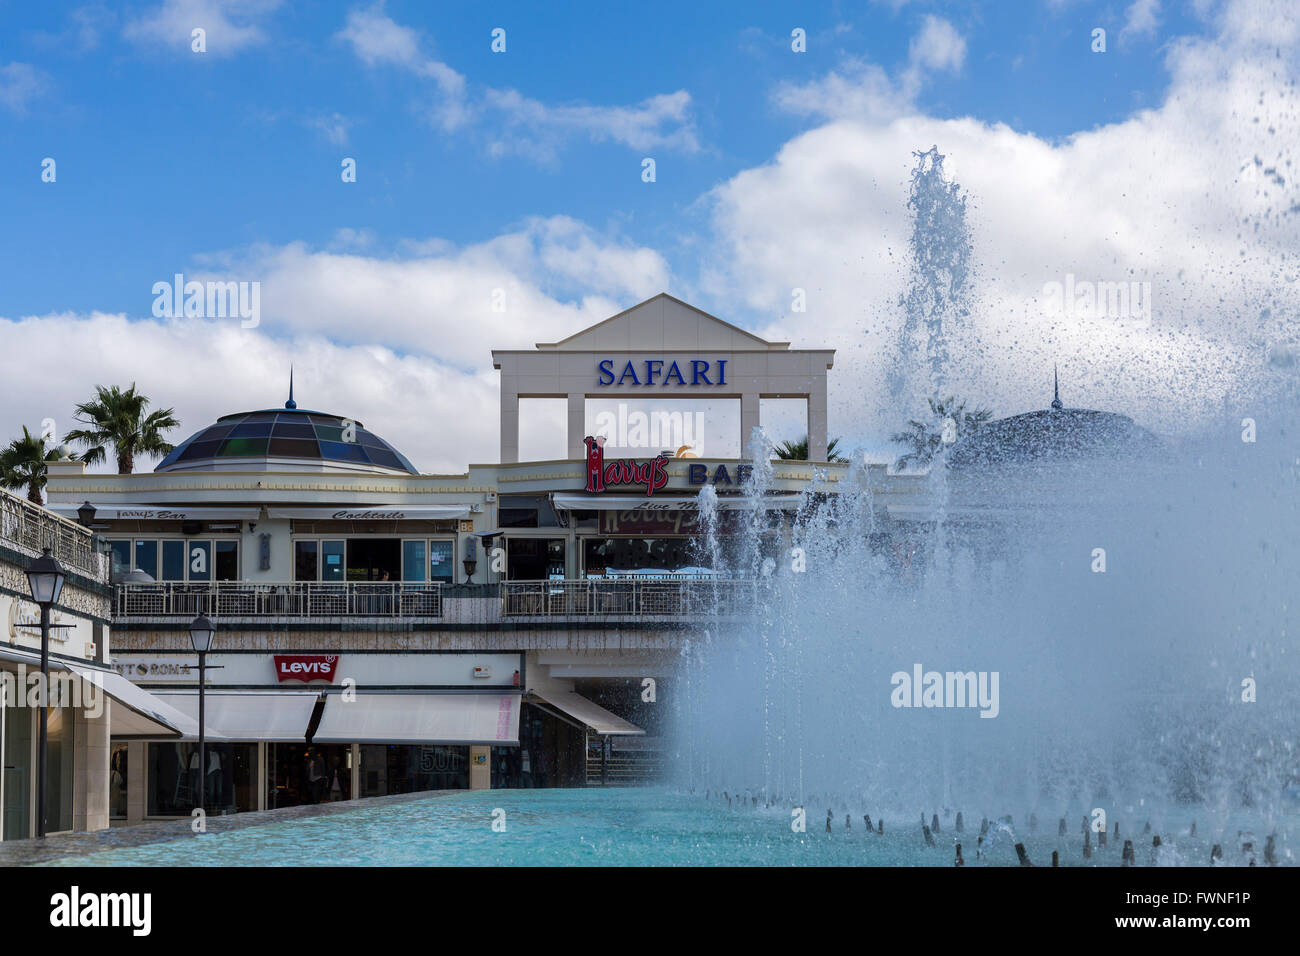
924, 438
22, 463
118, 418
798, 450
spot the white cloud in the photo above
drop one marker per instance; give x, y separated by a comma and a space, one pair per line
525, 126
1140, 19
20, 83
1159, 197
230, 25
938, 46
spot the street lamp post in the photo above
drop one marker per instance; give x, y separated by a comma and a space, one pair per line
45, 578
201, 635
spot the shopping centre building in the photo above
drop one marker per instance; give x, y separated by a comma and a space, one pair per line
381, 631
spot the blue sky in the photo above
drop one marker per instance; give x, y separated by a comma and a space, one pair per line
164, 154
521, 170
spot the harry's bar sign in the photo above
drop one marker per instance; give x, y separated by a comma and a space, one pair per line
653, 474
688, 374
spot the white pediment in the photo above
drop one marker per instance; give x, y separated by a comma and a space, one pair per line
663, 323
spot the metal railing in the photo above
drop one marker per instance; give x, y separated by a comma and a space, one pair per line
628, 597
30, 528
303, 599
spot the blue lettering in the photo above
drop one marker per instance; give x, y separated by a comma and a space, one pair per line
722, 371
722, 476
697, 474
673, 370
699, 370
651, 371
606, 369
743, 473
629, 370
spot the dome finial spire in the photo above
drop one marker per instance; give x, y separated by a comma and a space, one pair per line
1056, 390
290, 403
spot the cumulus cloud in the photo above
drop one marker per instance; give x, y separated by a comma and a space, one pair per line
230, 25
1194, 197
524, 125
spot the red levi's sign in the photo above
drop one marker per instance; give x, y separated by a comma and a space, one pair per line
652, 474
306, 667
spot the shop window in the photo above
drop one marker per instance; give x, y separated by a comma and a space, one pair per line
173, 778
200, 560
535, 559
332, 556
173, 560
146, 558
226, 561
305, 563
413, 561
404, 768
121, 556
117, 778
441, 561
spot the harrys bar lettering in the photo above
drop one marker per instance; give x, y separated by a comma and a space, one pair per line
305, 667
653, 474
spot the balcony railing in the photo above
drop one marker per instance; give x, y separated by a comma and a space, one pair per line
31, 528
628, 597
305, 599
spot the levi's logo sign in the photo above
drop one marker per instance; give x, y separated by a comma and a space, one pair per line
305, 667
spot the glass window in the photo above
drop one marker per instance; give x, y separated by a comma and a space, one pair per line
441, 567
200, 558
146, 557
173, 784
227, 561
305, 563
413, 561
121, 552
332, 567
117, 778
173, 560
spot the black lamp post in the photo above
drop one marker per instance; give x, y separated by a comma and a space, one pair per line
201, 635
45, 581
471, 559
85, 514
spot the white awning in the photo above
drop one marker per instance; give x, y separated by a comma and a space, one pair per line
376, 513
434, 718
588, 713
247, 716
132, 712
158, 512
656, 505
135, 712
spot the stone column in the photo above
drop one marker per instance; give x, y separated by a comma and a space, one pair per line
577, 425
137, 766
749, 420
89, 769
817, 438
509, 425
356, 771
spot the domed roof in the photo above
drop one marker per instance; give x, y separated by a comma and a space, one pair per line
286, 439
1056, 434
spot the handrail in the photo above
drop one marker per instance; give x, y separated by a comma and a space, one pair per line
279, 599
629, 597
31, 528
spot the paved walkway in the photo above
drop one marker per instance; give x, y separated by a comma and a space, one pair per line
27, 852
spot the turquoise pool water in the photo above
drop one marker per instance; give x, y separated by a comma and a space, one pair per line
621, 827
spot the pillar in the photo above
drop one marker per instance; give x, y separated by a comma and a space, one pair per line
356, 772
509, 425
817, 439
480, 768
577, 429
749, 420
90, 768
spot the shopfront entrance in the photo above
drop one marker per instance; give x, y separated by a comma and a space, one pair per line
299, 774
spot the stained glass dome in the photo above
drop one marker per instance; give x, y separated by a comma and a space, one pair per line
286, 439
